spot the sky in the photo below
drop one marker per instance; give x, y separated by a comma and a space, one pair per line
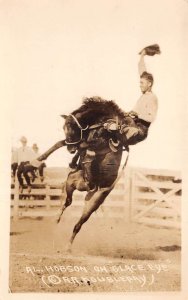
54, 53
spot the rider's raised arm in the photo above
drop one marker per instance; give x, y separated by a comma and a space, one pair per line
141, 64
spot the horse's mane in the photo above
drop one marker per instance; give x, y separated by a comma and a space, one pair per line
99, 106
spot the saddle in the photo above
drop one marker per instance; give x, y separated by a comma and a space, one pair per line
114, 128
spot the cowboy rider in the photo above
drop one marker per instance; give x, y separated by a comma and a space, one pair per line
137, 122
145, 110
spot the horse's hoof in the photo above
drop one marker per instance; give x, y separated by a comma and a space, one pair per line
20, 189
58, 220
68, 249
59, 215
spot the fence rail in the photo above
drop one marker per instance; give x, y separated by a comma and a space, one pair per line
141, 195
156, 197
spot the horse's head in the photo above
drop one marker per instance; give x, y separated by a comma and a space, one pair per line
72, 133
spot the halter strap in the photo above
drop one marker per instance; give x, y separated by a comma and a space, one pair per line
81, 131
79, 125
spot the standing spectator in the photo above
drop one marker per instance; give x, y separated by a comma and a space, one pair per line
25, 155
29, 168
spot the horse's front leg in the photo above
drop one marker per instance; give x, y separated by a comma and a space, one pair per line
51, 150
90, 206
68, 189
38, 161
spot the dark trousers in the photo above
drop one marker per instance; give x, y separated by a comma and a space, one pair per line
20, 172
30, 169
14, 167
142, 131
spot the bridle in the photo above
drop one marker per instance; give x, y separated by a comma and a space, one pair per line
81, 131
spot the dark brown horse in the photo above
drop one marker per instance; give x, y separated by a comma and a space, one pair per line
85, 129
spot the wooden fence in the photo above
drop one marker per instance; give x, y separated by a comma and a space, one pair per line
156, 197
141, 195
47, 199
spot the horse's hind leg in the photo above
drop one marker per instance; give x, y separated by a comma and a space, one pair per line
90, 206
74, 181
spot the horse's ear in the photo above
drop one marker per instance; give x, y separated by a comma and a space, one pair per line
64, 116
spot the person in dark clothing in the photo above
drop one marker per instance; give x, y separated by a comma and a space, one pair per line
24, 156
30, 171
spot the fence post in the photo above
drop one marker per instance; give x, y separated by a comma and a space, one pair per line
132, 193
47, 196
16, 199
126, 194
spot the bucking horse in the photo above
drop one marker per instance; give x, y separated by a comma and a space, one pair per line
86, 130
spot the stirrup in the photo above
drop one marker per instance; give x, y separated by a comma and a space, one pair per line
114, 145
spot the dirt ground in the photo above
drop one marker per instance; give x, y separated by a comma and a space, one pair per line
108, 255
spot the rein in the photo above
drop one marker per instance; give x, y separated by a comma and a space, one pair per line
81, 131
112, 144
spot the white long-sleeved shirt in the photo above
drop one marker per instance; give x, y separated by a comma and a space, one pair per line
147, 105
36, 154
25, 154
14, 156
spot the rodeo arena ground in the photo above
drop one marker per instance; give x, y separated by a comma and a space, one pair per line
131, 243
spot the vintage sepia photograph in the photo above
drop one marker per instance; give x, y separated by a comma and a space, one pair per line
94, 123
